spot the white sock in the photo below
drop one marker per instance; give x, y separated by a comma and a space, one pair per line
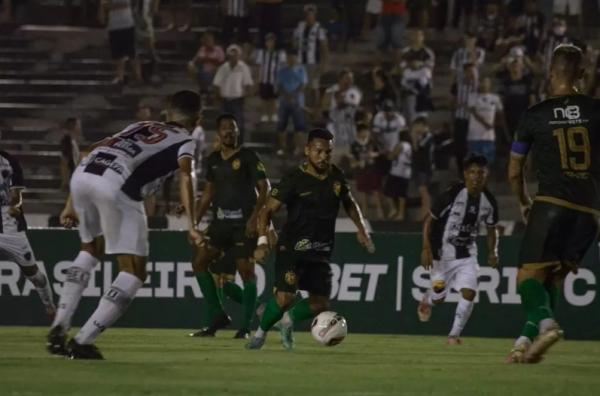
428, 299
112, 305
78, 276
522, 340
42, 286
547, 324
260, 333
462, 315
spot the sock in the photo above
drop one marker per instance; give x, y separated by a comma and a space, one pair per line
209, 291
249, 302
78, 276
233, 291
272, 314
301, 311
535, 300
529, 332
112, 305
462, 315
553, 293
523, 340
428, 298
42, 286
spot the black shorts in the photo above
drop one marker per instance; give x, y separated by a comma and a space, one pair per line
230, 238
556, 235
122, 43
226, 265
395, 187
295, 271
267, 92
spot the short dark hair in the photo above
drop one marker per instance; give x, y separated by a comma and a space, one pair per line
362, 126
475, 159
225, 116
186, 102
567, 60
319, 133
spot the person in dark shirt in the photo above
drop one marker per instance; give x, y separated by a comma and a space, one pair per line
365, 152
423, 160
312, 194
562, 222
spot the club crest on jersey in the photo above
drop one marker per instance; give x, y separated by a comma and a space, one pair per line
302, 245
236, 164
274, 192
569, 112
290, 278
260, 167
337, 188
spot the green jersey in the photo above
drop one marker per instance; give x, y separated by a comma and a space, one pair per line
564, 134
234, 181
312, 207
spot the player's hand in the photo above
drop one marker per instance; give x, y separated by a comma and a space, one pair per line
260, 253
426, 258
196, 237
68, 218
251, 225
14, 211
364, 239
493, 260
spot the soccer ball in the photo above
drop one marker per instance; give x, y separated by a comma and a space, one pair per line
329, 328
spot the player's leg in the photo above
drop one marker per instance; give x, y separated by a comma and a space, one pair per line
464, 280
245, 268
437, 294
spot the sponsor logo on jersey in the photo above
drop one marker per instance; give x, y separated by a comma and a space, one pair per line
236, 164
304, 194
290, 278
274, 192
260, 167
303, 245
569, 112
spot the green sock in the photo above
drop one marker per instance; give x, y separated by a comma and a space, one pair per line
273, 313
301, 311
553, 292
233, 291
209, 291
530, 330
249, 302
220, 293
536, 301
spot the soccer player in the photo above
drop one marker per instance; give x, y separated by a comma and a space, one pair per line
449, 242
14, 245
562, 132
236, 188
107, 192
312, 194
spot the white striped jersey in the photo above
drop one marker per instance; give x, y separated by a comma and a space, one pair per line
141, 156
456, 219
269, 63
236, 8
11, 177
463, 90
462, 56
308, 41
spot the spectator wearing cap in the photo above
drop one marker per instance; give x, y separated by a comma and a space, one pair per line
392, 22
233, 81
235, 28
341, 103
485, 109
291, 83
423, 144
310, 39
268, 61
416, 89
269, 19
462, 89
469, 53
206, 61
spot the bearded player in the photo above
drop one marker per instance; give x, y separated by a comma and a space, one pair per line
312, 194
562, 133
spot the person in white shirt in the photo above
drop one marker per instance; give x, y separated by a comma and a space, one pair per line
387, 125
485, 108
396, 184
233, 82
416, 88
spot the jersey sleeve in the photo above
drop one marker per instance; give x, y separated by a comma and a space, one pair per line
492, 218
524, 135
257, 167
16, 180
210, 175
443, 203
284, 190
187, 149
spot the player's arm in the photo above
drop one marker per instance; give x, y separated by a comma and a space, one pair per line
17, 186
187, 195
262, 188
426, 254
355, 214
492, 245
265, 215
205, 201
516, 178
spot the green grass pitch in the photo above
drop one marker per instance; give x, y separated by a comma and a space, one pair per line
166, 362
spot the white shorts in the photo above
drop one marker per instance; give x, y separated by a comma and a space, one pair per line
455, 274
574, 7
15, 247
103, 209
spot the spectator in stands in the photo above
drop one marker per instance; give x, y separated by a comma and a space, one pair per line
511, 36
518, 93
417, 51
489, 27
464, 12
398, 178
269, 20
570, 9
469, 53
465, 86
144, 22
416, 89
144, 113
179, 12
532, 24
387, 125
121, 36
372, 12
391, 26
310, 39
69, 150
292, 80
341, 101
235, 26
423, 145
337, 30
556, 36
485, 109
383, 89
419, 13
368, 180
203, 66
268, 61
233, 82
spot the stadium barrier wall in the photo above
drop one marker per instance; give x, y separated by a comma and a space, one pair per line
377, 293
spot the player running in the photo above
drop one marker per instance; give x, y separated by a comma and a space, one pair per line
107, 192
14, 245
449, 242
562, 133
312, 194
236, 188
